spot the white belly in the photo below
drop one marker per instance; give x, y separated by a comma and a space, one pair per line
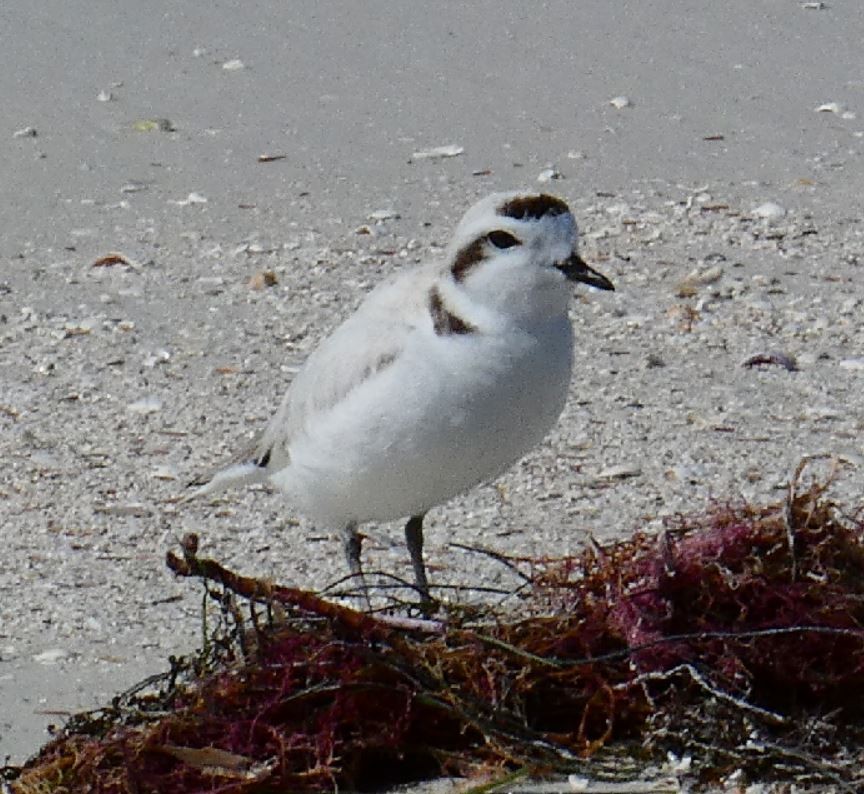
450, 413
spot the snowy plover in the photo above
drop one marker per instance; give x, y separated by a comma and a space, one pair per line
444, 377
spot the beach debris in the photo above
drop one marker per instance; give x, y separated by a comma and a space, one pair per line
621, 102
271, 158
706, 648
51, 656
112, 258
688, 287
439, 152
167, 473
769, 211
154, 125
192, 198
623, 471
153, 359
262, 280
549, 174
145, 406
775, 358
383, 215
25, 132
852, 363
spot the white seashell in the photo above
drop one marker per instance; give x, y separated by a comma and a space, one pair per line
831, 107
548, 174
192, 198
233, 65
383, 215
51, 656
621, 102
769, 211
159, 357
144, 406
622, 472
450, 150
164, 473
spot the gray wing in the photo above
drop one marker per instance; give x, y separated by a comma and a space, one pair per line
368, 342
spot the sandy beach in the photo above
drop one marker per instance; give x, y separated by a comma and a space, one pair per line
159, 160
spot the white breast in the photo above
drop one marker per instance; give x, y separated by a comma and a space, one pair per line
448, 413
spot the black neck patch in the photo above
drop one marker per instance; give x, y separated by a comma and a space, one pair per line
523, 207
444, 321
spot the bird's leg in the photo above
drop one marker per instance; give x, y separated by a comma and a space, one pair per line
352, 543
414, 538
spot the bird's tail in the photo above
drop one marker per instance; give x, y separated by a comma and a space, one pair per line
236, 474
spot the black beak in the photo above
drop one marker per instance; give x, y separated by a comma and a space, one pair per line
576, 270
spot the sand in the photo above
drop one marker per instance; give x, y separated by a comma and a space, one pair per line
725, 208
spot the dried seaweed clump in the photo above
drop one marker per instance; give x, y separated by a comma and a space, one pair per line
734, 637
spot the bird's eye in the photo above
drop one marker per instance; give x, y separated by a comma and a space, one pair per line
502, 239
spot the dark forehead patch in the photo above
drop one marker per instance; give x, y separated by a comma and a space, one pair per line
467, 257
536, 207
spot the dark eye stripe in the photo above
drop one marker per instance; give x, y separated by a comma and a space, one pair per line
501, 239
536, 207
